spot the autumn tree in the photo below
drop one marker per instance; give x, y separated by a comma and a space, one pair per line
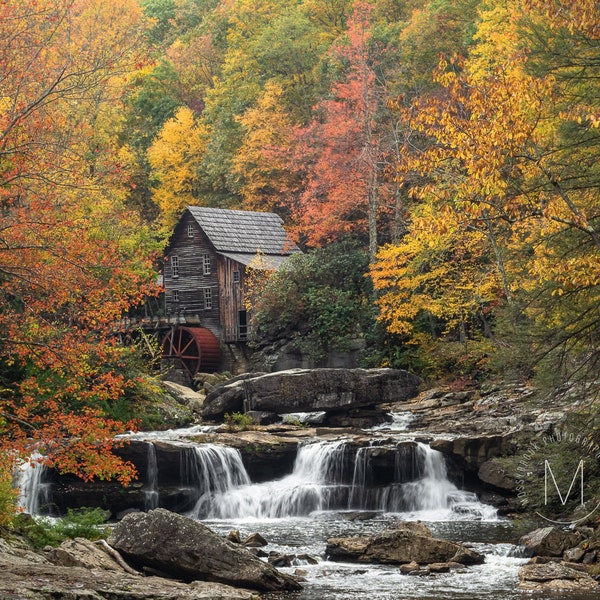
72, 259
345, 192
174, 157
507, 148
263, 163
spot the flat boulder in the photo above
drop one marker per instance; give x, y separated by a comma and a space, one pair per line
407, 543
553, 577
186, 549
311, 390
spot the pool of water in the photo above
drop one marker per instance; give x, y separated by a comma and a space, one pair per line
497, 578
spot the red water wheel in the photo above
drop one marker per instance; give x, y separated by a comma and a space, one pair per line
193, 348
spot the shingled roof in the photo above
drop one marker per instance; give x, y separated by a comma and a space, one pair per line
243, 232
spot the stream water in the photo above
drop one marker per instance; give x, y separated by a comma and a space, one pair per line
321, 499
299, 512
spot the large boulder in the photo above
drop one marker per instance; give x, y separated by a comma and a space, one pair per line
83, 570
549, 541
311, 390
185, 549
409, 542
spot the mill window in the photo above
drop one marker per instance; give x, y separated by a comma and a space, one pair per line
206, 264
175, 266
208, 299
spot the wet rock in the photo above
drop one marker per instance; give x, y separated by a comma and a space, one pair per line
409, 542
255, 541
555, 577
574, 554
307, 559
186, 549
263, 417
590, 557
470, 452
280, 560
234, 536
409, 567
549, 541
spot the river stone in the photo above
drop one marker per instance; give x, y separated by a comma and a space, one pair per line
409, 542
555, 577
549, 541
186, 549
311, 390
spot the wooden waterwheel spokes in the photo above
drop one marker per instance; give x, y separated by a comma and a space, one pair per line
181, 344
193, 348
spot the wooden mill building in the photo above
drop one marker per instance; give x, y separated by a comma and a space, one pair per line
204, 279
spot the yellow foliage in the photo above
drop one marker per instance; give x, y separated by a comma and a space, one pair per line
261, 164
174, 156
440, 268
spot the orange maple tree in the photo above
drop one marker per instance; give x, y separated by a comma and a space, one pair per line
72, 258
345, 192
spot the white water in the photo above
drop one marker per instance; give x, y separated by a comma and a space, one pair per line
169, 434
32, 491
212, 469
305, 490
317, 483
399, 422
151, 490
438, 497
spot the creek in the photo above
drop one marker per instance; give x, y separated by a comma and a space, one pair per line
332, 492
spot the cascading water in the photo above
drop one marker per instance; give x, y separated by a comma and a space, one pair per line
313, 485
212, 469
321, 481
434, 492
151, 491
33, 492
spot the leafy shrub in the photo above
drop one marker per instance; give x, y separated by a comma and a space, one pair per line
89, 523
239, 422
322, 298
8, 497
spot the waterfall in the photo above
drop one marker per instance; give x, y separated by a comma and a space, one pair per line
322, 480
433, 492
151, 493
314, 484
33, 492
360, 479
211, 470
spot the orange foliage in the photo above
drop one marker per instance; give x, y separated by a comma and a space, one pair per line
70, 258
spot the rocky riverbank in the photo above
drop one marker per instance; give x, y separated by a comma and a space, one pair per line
482, 433
148, 556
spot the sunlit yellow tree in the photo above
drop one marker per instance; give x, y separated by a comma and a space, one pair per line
174, 156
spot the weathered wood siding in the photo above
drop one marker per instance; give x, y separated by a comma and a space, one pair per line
185, 294
231, 276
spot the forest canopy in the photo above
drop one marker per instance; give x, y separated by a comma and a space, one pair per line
454, 142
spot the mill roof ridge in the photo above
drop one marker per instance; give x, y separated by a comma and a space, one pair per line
243, 231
